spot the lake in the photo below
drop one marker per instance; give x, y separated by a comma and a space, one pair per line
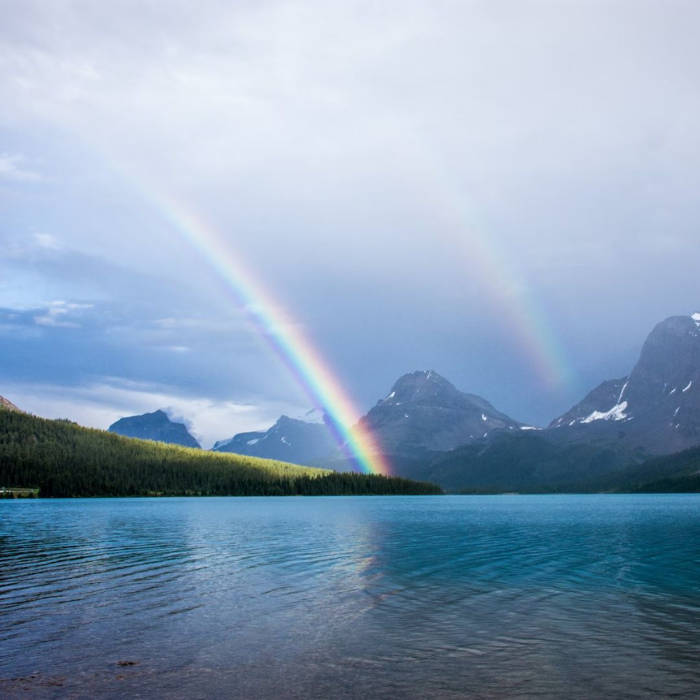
421, 597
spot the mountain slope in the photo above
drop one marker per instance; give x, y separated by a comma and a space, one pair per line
63, 459
7, 405
669, 473
154, 426
593, 406
289, 439
534, 463
525, 462
655, 408
425, 412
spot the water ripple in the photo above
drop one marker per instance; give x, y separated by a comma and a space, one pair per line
376, 597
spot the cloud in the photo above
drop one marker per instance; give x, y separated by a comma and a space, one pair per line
62, 314
12, 168
71, 341
47, 241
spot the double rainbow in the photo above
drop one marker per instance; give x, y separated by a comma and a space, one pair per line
459, 228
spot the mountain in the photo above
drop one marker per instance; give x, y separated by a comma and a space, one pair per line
289, 439
7, 405
424, 412
656, 407
154, 426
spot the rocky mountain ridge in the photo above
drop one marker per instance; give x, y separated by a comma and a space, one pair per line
289, 439
425, 412
8, 405
154, 426
657, 406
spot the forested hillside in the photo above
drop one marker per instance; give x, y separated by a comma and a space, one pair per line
534, 463
678, 472
61, 458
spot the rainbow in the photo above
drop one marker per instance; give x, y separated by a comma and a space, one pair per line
513, 299
286, 339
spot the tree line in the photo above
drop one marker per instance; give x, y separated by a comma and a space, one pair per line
63, 459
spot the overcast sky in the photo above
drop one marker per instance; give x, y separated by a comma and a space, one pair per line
505, 192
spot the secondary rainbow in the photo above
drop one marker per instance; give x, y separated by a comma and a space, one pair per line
293, 348
506, 289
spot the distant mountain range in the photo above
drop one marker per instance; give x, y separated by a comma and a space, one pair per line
154, 426
430, 430
289, 439
655, 410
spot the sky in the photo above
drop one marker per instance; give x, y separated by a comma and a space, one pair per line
504, 192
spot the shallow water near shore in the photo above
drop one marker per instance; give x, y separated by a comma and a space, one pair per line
487, 596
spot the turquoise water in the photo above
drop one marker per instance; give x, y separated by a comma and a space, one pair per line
488, 596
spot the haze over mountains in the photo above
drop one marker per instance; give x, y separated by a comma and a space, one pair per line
431, 430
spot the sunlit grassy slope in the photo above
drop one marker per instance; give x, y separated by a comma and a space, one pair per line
64, 459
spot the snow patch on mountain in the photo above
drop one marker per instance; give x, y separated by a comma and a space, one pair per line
617, 412
622, 391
